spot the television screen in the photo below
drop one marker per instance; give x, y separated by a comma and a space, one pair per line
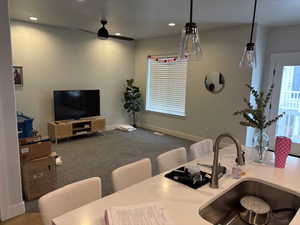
76, 104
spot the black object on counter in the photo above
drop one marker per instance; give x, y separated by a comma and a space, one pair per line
194, 181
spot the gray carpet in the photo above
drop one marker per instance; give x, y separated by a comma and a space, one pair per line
98, 155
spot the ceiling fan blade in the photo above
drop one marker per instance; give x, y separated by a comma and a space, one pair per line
110, 36
121, 37
87, 31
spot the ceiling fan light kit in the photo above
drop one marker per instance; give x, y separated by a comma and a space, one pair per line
103, 33
249, 54
190, 47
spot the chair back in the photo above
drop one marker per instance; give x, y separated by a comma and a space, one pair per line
204, 146
132, 173
69, 197
171, 159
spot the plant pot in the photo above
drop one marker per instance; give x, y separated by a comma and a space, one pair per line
261, 144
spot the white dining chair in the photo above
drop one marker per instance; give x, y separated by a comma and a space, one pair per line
132, 173
204, 146
69, 197
171, 159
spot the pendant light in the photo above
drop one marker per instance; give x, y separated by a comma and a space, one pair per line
249, 54
190, 43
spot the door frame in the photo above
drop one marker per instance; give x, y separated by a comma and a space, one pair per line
277, 62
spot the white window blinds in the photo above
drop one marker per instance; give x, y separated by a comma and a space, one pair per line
166, 85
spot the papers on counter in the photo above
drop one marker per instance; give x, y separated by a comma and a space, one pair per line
144, 214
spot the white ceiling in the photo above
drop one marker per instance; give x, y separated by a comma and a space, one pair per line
149, 18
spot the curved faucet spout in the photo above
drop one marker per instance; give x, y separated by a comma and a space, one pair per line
215, 170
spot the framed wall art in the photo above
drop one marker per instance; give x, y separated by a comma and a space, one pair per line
18, 75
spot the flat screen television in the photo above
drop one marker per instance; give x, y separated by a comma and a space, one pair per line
76, 104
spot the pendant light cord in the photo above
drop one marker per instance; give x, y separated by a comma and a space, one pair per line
191, 12
253, 21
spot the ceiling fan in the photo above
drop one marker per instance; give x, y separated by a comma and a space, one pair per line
104, 34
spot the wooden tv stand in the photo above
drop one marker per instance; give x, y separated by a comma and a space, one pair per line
70, 128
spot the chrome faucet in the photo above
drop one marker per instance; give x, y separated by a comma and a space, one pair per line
216, 167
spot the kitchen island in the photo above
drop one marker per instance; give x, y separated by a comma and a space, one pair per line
182, 202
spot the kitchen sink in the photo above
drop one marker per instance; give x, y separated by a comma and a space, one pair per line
225, 209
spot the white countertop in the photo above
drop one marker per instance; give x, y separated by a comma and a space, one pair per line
182, 202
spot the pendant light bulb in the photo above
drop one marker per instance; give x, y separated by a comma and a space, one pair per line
190, 47
249, 53
249, 56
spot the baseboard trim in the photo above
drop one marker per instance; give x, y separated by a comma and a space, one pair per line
174, 133
14, 210
111, 127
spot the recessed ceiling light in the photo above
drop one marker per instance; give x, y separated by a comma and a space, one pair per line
171, 24
33, 18
80, 0
118, 34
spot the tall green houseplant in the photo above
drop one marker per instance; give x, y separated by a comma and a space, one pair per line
132, 100
255, 116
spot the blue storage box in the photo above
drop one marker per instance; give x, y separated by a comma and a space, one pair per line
24, 126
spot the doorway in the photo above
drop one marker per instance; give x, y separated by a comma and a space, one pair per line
286, 98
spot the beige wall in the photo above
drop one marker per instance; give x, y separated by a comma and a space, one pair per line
55, 58
207, 114
284, 39
281, 39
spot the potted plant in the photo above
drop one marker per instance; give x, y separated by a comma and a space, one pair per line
132, 98
255, 116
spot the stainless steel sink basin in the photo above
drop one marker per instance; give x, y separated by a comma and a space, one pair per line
225, 209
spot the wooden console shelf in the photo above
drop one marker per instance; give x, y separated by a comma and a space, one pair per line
70, 128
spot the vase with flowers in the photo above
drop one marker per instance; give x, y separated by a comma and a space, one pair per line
255, 116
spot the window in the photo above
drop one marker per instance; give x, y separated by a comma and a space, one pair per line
166, 85
296, 78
